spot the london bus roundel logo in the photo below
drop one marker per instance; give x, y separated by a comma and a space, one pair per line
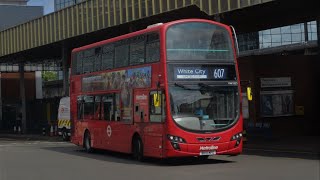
109, 131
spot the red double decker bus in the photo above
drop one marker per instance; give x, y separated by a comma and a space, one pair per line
170, 90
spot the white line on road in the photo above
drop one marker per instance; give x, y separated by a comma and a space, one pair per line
282, 151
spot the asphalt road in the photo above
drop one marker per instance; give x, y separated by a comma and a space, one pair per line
43, 160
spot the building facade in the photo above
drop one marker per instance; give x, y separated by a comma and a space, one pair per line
280, 64
13, 2
60, 4
13, 13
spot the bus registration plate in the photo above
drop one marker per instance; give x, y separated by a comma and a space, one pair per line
207, 153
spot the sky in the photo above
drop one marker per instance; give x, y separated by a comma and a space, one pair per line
48, 5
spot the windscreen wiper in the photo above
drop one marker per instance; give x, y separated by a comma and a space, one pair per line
205, 85
183, 86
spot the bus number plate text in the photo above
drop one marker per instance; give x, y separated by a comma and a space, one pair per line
207, 153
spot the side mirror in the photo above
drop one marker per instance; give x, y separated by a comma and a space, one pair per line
156, 100
249, 93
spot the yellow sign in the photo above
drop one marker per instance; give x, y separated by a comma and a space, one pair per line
156, 100
249, 93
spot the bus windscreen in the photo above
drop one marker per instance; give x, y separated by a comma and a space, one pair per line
198, 41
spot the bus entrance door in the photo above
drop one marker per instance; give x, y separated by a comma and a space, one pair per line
141, 106
148, 114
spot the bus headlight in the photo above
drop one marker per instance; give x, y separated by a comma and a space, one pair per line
176, 139
236, 136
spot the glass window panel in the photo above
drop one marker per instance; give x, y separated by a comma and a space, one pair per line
296, 37
109, 108
137, 50
88, 107
79, 63
265, 45
266, 32
313, 28
97, 59
97, 107
275, 31
122, 54
108, 56
80, 107
260, 37
314, 36
88, 64
285, 29
153, 52
198, 41
276, 38
296, 28
275, 44
286, 42
266, 38
286, 38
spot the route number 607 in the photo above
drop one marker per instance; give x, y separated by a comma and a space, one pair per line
218, 73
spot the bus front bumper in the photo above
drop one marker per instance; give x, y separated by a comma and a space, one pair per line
185, 150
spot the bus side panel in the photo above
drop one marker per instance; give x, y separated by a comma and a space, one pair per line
153, 140
98, 133
117, 136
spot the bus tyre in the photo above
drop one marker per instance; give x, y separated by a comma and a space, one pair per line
138, 149
65, 136
87, 142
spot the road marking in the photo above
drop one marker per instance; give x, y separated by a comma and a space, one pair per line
282, 151
31, 143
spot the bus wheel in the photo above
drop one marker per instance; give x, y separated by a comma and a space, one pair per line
138, 149
65, 135
87, 142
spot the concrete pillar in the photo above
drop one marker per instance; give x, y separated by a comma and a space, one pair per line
23, 98
318, 34
0, 104
306, 37
65, 54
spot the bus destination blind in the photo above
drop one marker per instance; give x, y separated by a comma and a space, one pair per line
212, 73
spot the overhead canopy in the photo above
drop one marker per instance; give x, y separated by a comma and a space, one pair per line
94, 15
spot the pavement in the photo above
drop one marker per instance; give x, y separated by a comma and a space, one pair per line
297, 146
291, 146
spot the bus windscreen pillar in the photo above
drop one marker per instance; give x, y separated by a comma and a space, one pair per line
22, 114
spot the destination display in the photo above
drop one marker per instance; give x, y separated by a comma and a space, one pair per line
202, 73
191, 73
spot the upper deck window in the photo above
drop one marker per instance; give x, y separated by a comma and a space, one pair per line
141, 49
198, 41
